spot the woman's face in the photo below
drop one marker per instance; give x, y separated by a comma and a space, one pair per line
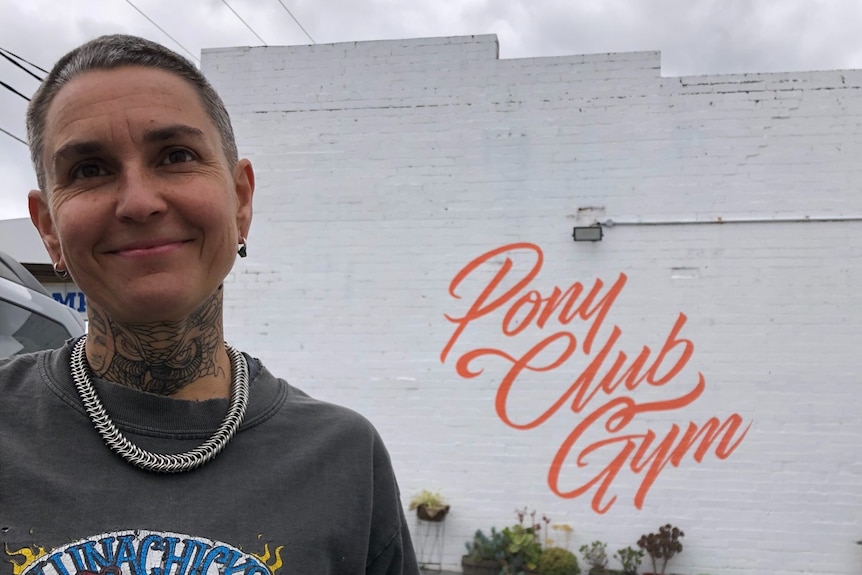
142, 207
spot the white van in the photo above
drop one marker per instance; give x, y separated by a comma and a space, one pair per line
30, 319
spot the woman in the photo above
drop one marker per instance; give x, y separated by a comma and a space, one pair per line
150, 445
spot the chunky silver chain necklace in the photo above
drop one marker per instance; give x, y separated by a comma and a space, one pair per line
158, 462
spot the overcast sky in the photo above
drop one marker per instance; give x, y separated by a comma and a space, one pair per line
695, 37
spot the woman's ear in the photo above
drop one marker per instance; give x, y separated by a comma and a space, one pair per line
40, 215
243, 176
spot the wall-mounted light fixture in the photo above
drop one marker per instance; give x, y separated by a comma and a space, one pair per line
588, 233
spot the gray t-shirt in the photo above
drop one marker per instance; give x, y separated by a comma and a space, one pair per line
305, 487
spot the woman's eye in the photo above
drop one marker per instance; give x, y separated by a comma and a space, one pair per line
88, 171
178, 156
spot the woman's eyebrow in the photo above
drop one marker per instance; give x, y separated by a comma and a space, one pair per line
76, 149
173, 131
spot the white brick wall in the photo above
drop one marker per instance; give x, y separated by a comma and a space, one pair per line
384, 168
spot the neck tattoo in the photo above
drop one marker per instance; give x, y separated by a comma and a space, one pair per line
161, 357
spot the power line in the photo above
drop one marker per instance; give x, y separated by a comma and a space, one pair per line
297, 21
20, 66
13, 136
16, 56
244, 22
129, 2
13, 90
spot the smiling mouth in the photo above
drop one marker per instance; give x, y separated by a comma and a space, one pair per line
149, 250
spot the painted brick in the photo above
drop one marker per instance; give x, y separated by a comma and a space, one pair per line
383, 168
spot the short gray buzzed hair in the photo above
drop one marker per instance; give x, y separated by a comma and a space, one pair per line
115, 51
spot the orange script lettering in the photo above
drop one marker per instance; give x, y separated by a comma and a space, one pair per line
603, 392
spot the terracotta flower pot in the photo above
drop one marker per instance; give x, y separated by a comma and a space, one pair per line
426, 513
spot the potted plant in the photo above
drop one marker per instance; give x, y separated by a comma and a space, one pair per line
597, 556
558, 561
485, 554
662, 546
630, 559
429, 506
516, 550
523, 550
